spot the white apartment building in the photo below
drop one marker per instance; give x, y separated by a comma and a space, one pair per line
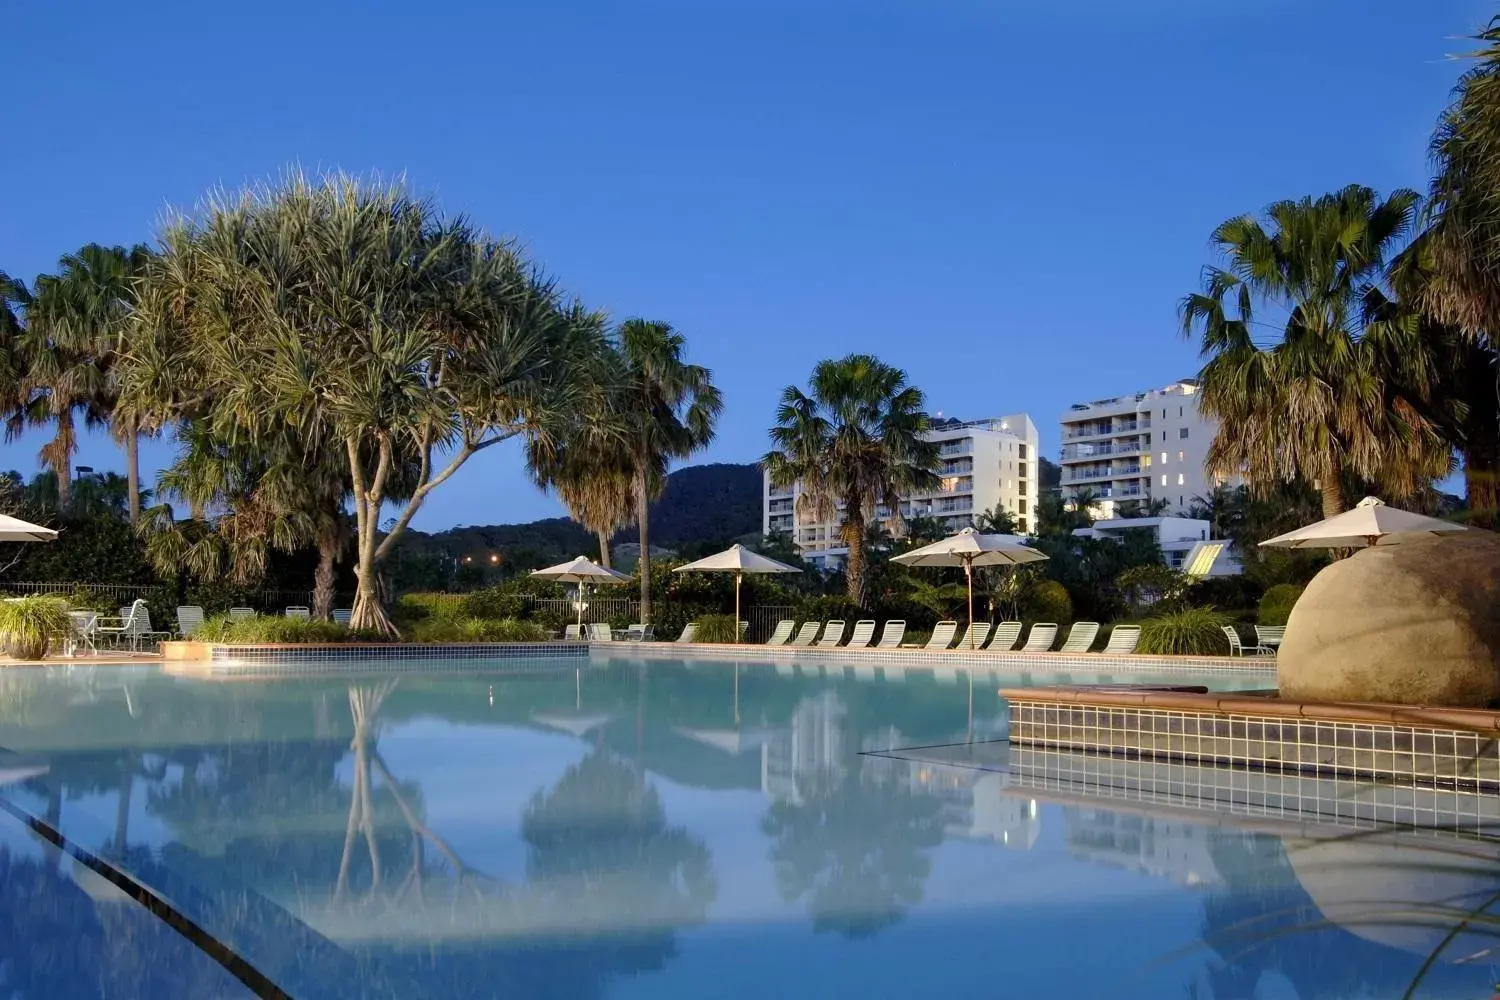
1147, 446
985, 463
1184, 541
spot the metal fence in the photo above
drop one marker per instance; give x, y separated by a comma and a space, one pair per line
261, 600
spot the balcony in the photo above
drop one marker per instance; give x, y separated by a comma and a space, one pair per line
1077, 475
956, 484
776, 492
960, 467
963, 447
963, 506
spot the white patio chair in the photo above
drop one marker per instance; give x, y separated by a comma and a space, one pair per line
1122, 640
1268, 639
1236, 648
82, 633
299, 611
241, 614
1041, 637
573, 632
975, 636
892, 634
342, 616
942, 635
864, 634
599, 632
189, 619
782, 633
833, 633
1080, 637
134, 623
1005, 637
689, 632
744, 631
806, 634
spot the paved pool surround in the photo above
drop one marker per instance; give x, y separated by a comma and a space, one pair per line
1404, 744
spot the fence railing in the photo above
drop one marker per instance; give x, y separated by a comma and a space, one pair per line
261, 600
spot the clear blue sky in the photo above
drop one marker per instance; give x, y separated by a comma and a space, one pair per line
1004, 197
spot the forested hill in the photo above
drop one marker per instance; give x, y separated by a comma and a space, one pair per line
701, 503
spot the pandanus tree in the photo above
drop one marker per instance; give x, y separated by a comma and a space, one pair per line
667, 410
1319, 399
854, 440
352, 313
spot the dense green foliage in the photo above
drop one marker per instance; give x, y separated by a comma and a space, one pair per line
1045, 601
28, 625
1277, 602
717, 628
1187, 632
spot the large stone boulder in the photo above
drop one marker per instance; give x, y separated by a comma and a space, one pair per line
1415, 623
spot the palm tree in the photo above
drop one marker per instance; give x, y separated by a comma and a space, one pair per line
75, 325
669, 408
854, 440
1318, 402
591, 472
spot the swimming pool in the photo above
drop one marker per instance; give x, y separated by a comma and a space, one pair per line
669, 829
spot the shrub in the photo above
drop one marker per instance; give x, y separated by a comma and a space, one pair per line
412, 608
1189, 632
274, 628
829, 608
28, 625
717, 628
1276, 605
1046, 601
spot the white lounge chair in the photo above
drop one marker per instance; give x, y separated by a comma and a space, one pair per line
782, 633
1080, 637
744, 631
1122, 639
689, 632
833, 633
1268, 639
864, 634
942, 635
807, 633
241, 614
892, 634
1041, 637
342, 616
189, 619
573, 632
1236, 648
599, 632
134, 623
1005, 637
82, 633
975, 636
301, 611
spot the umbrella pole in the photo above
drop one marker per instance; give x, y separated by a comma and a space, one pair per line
579, 597
969, 575
737, 576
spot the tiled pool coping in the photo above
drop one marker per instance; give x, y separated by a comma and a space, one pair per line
397, 655
1011, 662
1442, 747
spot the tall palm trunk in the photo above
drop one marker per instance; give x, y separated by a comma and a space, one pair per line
1482, 477
854, 565
58, 454
133, 472
328, 551
603, 548
1332, 489
642, 515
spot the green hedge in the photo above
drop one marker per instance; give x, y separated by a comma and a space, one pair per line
1276, 605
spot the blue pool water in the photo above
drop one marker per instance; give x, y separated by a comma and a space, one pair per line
675, 830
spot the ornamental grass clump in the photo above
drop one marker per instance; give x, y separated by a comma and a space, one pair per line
28, 625
1189, 632
717, 628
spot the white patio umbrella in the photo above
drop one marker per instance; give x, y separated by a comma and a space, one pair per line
13, 529
580, 571
737, 560
1371, 522
968, 549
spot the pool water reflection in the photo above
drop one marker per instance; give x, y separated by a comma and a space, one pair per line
680, 830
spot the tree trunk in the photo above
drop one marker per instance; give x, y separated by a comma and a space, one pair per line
604, 549
328, 550
62, 459
1332, 489
854, 564
1482, 479
368, 613
643, 502
133, 473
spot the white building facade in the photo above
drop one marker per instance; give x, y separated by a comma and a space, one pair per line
985, 464
1142, 447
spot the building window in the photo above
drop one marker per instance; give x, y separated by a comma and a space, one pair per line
1163, 458
1179, 411
1180, 481
1163, 435
1182, 432
1164, 479
1179, 456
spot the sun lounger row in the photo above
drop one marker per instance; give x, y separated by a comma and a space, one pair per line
980, 635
